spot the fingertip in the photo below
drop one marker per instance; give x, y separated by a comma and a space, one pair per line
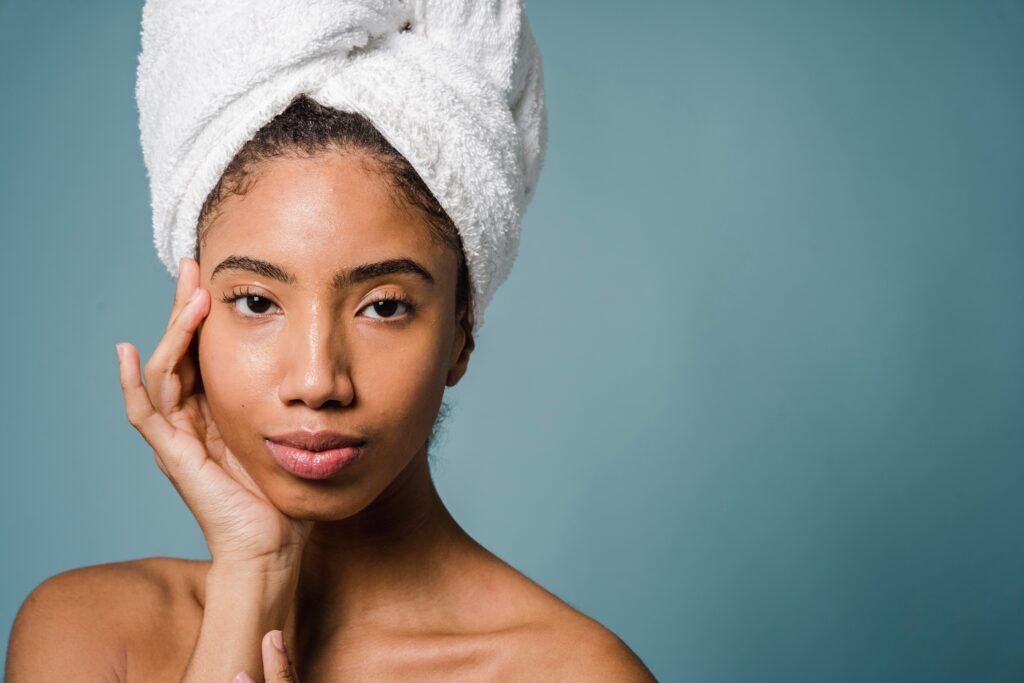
200, 305
123, 354
207, 304
274, 641
124, 368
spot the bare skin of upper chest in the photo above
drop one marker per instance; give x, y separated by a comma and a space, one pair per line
159, 644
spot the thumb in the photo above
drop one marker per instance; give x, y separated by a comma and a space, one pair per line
277, 667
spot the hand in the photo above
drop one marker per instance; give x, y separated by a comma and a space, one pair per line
171, 412
277, 666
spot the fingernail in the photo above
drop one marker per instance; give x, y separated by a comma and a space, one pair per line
194, 296
118, 348
277, 640
242, 677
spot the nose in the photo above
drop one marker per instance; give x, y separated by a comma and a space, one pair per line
316, 365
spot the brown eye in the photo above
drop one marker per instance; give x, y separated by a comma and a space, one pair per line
257, 304
388, 307
252, 306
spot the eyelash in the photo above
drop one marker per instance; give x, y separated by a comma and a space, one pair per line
386, 296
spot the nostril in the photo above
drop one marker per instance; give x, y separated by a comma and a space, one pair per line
407, 26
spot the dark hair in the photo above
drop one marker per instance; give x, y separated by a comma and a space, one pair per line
307, 127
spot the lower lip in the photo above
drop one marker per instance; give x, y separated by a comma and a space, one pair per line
313, 464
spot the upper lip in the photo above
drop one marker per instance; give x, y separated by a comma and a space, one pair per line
317, 441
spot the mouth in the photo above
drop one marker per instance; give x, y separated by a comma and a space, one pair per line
315, 455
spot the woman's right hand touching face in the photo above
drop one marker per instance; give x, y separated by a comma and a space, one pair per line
240, 524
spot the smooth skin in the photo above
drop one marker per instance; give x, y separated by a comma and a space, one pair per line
364, 576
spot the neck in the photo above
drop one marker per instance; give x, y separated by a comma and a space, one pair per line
388, 564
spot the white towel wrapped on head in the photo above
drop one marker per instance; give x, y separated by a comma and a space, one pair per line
455, 86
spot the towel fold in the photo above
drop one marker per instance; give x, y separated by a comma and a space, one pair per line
456, 86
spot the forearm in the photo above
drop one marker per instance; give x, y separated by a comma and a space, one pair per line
242, 604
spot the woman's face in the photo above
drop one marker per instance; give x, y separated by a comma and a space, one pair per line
319, 350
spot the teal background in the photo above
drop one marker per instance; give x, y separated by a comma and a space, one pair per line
752, 395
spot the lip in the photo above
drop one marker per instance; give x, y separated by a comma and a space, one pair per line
315, 455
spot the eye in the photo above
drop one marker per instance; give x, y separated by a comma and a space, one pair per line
254, 303
386, 304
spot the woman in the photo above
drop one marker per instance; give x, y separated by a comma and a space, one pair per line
290, 402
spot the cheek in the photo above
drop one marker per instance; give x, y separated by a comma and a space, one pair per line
236, 371
402, 384
398, 374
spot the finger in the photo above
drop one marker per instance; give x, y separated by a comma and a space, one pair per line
141, 413
163, 379
277, 667
153, 426
188, 271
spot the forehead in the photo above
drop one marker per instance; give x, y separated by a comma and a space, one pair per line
327, 210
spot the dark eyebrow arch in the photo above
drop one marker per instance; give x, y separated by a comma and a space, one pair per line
341, 280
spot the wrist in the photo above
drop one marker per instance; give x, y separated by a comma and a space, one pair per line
250, 593
242, 601
251, 573
277, 562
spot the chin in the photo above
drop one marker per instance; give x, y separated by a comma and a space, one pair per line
313, 500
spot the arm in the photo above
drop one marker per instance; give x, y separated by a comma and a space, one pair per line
243, 603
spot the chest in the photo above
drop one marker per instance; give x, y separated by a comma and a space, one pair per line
352, 658
435, 657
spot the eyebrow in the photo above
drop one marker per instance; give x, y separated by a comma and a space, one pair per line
342, 279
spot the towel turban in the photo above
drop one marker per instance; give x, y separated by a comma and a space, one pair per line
455, 86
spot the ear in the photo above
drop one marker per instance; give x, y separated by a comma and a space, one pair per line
461, 350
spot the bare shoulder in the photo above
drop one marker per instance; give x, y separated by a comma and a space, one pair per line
100, 614
578, 647
564, 643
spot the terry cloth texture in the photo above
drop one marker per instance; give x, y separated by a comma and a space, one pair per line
456, 86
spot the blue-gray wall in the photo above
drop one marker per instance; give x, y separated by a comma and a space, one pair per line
753, 395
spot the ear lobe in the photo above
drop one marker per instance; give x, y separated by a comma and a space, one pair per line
462, 349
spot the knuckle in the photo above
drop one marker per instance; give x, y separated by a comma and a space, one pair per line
133, 416
159, 371
137, 416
